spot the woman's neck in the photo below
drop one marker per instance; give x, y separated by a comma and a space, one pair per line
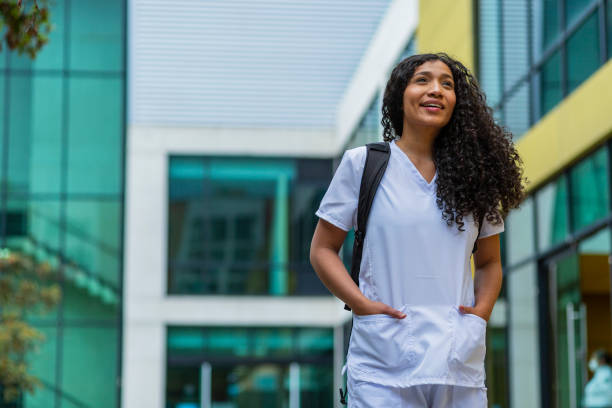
418, 142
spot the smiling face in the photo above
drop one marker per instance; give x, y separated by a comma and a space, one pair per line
429, 98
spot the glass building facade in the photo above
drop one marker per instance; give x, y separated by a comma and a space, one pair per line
556, 248
61, 169
533, 53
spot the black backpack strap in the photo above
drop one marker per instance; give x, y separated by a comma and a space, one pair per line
479, 228
377, 158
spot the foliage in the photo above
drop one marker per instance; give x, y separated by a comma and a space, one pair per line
26, 26
25, 286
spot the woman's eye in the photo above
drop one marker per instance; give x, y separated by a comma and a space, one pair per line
421, 79
449, 84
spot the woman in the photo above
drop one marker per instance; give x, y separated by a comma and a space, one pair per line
419, 318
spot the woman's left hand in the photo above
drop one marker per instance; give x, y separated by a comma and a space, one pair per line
475, 311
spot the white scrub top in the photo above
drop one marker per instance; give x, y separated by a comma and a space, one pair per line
415, 262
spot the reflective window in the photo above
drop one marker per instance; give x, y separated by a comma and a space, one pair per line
35, 140
95, 134
369, 129
520, 232
243, 226
552, 214
250, 366
515, 42
524, 355
583, 52
549, 22
609, 26
83, 349
96, 35
551, 91
589, 197
574, 9
490, 52
516, 111
51, 56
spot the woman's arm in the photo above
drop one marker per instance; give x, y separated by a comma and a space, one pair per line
326, 243
487, 277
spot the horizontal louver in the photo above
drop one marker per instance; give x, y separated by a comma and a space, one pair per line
233, 63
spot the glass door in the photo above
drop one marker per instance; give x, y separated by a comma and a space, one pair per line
579, 293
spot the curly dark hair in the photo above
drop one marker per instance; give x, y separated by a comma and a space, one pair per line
479, 169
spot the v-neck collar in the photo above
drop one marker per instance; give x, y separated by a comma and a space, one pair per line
419, 177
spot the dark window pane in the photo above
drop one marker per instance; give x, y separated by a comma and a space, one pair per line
96, 35
574, 8
583, 52
242, 226
95, 135
551, 92
589, 193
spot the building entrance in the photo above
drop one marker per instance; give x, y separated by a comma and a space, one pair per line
579, 316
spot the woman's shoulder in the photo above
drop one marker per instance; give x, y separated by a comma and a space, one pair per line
356, 157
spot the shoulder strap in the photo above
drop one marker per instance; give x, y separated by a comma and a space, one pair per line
377, 158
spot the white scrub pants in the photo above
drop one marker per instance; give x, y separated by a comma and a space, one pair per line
368, 395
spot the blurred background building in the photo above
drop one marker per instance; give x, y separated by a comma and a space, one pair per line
168, 158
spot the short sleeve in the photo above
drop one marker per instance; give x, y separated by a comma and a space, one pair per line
488, 229
339, 204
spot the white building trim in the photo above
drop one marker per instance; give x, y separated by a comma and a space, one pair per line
394, 32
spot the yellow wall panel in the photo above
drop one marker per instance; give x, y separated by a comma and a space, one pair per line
576, 125
447, 26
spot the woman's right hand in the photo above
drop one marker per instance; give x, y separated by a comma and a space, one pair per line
370, 307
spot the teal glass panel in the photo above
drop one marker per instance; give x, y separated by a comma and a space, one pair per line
549, 23
33, 230
42, 363
35, 134
369, 127
89, 366
609, 26
589, 194
20, 132
273, 342
552, 214
96, 35
93, 237
51, 55
583, 52
315, 341
516, 111
85, 298
3, 116
574, 9
523, 336
95, 135
551, 91
489, 41
243, 226
520, 233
